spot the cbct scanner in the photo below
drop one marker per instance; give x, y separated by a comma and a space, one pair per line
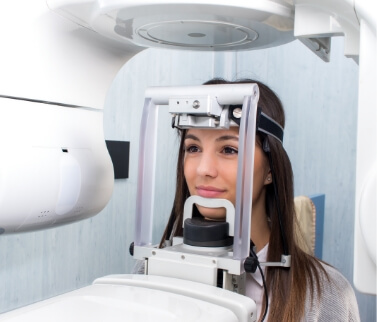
53, 148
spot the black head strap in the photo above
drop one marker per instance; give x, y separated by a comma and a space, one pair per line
267, 125
264, 124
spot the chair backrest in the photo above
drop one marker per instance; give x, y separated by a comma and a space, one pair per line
310, 218
306, 220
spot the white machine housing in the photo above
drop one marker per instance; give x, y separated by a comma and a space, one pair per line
52, 172
118, 298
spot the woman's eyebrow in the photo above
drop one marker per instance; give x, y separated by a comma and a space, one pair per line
227, 137
219, 139
193, 137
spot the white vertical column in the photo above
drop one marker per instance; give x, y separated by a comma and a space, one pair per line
365, 278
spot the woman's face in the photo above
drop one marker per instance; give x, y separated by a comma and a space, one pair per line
210, 168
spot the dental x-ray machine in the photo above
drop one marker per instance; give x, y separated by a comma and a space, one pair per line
54, 155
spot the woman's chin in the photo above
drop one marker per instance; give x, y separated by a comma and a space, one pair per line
217, 214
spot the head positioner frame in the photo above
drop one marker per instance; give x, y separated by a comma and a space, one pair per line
203, 107
211, 99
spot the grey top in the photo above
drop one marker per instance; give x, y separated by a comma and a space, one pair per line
338, 300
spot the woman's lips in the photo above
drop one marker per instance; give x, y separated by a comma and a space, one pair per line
209, 192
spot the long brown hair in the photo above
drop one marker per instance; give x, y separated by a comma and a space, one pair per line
287, 286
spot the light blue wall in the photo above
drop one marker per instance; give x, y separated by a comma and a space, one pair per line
320, 101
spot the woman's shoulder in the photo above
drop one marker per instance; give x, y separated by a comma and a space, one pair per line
336, 300
335, 278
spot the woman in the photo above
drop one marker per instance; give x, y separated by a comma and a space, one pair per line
309, 290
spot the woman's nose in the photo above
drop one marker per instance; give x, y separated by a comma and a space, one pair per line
207, 166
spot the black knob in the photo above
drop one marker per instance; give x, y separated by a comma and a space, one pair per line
131, 249
250, 264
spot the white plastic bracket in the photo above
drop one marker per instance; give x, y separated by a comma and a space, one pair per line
210, 203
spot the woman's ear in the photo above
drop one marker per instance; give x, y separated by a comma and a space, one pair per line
268, 178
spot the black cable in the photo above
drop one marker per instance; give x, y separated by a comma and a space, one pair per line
265, 292
252, 254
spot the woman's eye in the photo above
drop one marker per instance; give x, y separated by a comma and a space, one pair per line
230, 150
191, 149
